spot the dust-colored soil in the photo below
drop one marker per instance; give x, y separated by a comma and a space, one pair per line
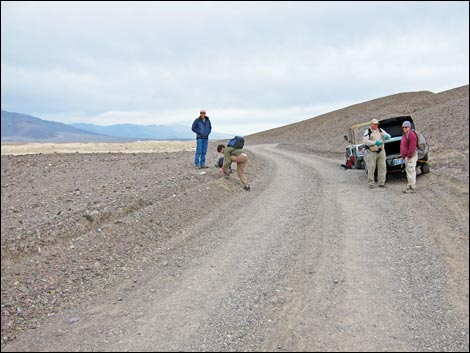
309, 260
139, 251
73, 222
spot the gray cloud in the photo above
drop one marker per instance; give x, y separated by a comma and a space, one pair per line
90, 59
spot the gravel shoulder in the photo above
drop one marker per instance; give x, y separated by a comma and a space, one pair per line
74, 224
310, 260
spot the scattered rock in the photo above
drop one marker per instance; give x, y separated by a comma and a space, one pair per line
74, 320
88, 222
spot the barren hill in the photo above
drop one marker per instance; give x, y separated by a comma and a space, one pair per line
442, 117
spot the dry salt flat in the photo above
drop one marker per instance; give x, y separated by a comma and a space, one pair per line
98, 147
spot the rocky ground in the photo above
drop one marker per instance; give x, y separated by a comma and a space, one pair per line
294, 265
73, 223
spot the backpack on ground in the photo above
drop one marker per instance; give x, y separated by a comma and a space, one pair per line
237, 142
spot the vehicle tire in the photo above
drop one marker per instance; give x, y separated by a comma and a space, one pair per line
425, 168
357, 164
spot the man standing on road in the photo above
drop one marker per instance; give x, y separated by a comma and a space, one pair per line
202, 128
374, 138
408, 151
232, 154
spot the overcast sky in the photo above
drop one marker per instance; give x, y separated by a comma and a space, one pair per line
251, 65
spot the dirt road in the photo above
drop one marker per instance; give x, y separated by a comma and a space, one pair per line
309, 260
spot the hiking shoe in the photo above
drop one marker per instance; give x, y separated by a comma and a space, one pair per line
383, 186
371, 186
204, 167
247, 187
409, 191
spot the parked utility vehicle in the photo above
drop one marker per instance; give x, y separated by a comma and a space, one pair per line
357, 151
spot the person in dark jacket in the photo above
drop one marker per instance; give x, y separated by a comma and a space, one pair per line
408, 144
202, 128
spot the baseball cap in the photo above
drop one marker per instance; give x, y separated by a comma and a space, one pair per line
374, 121
406, 123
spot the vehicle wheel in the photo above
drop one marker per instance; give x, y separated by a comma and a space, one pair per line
424, 168
357, 164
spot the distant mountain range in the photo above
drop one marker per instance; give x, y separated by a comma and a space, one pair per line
26, 128
152, 132
18, 127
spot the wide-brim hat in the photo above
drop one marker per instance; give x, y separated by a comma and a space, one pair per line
374, 121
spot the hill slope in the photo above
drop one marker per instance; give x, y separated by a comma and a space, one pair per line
26, 128
442, 117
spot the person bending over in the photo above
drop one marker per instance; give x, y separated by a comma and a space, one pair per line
232, 154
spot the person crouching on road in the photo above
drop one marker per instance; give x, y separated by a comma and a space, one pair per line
232, 154
408, 151
374, 138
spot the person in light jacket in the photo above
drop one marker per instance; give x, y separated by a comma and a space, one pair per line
374, 138
408, 144
202, 128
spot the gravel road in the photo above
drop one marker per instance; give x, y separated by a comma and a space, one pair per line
309, 260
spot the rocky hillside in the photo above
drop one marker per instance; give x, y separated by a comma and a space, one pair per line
442, 117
